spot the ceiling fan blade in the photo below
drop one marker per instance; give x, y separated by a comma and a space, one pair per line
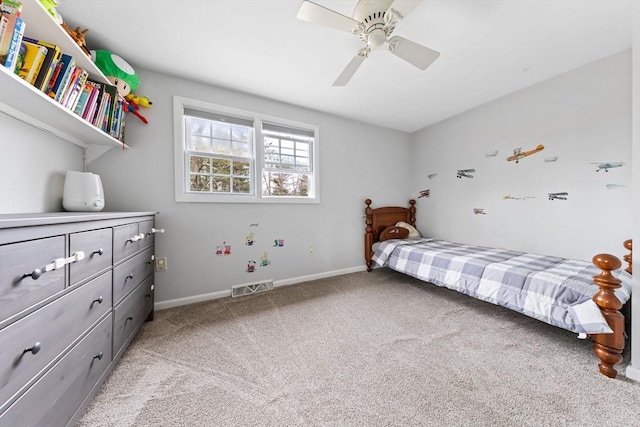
403, 7
414, 53
349, 70
312, 12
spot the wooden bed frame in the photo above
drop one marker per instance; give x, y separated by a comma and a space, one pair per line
608, 347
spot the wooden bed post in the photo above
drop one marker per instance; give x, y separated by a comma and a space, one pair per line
608, 347
412, 212
368, 235
628, 258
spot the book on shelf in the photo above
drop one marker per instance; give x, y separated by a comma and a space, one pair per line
11, 40
12, 27
105, 105
73, 78
90, 109
33, 59
49, 64
67, 65
83, 98
76, 90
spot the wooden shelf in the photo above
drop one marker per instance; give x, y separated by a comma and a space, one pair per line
24, 102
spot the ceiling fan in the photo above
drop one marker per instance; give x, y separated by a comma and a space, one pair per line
373, 21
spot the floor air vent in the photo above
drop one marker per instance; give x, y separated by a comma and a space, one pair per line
251, 288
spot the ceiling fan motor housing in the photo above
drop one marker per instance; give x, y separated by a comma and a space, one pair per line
374, 26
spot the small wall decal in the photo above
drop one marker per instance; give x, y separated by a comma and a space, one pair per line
278, 243
264, 260
479, 211
519, 154
465, 173
614, 186
254, 225
551, 159
510, 197
424, 193
223, 249
432, 175
251, 266
558, 196
607, 166
491, 153
249, 239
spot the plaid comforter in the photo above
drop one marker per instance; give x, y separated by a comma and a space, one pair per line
554, 290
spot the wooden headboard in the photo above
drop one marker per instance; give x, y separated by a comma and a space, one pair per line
380, 218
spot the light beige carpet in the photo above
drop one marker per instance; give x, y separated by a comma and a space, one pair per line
365, 349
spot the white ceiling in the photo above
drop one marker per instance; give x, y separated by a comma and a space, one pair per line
488, 49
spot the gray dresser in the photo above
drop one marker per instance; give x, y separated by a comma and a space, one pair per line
75, 288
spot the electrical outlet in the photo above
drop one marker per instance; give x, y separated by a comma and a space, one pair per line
161, 264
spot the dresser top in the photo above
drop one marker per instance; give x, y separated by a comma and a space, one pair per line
49, 218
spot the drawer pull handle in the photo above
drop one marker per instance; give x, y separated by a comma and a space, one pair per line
97, 300
147, 296
128, 277
34, 350
55, 265
157, 230
99, 252
135, 238
128, 319
98, 356
35, 274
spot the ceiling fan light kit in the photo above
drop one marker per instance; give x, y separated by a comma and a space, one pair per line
373, 21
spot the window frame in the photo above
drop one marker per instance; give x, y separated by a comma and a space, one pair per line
181, 165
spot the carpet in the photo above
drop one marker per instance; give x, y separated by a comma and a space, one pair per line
363, 349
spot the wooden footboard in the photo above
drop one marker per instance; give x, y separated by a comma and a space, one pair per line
609, 347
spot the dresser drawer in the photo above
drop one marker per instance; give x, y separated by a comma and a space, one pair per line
131, 313
49, 331
96, 246
69, 381
126, 241
130, 273
17, 291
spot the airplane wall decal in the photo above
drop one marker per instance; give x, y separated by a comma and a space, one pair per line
519, 154
607, 166
558, 196
466, 173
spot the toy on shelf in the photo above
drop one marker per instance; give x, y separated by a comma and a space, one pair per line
78, 36
117, 71
50, 6
123, 77
135, 102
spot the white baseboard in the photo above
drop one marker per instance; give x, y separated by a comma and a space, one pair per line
163, 305
633, 373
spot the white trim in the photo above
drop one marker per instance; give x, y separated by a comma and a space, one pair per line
162, 305
180, 102
633, 373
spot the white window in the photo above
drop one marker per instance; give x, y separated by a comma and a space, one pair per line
228, 155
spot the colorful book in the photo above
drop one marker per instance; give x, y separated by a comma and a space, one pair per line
73, 78
83, 98
13, 27
33, 59
49, 64
90, 109
68, 64
16, 44
13, 7
77, 89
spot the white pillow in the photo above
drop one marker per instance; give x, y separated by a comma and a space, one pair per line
413, 233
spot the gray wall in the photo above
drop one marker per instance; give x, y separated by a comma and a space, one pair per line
356, 161
580, 117
32, 167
